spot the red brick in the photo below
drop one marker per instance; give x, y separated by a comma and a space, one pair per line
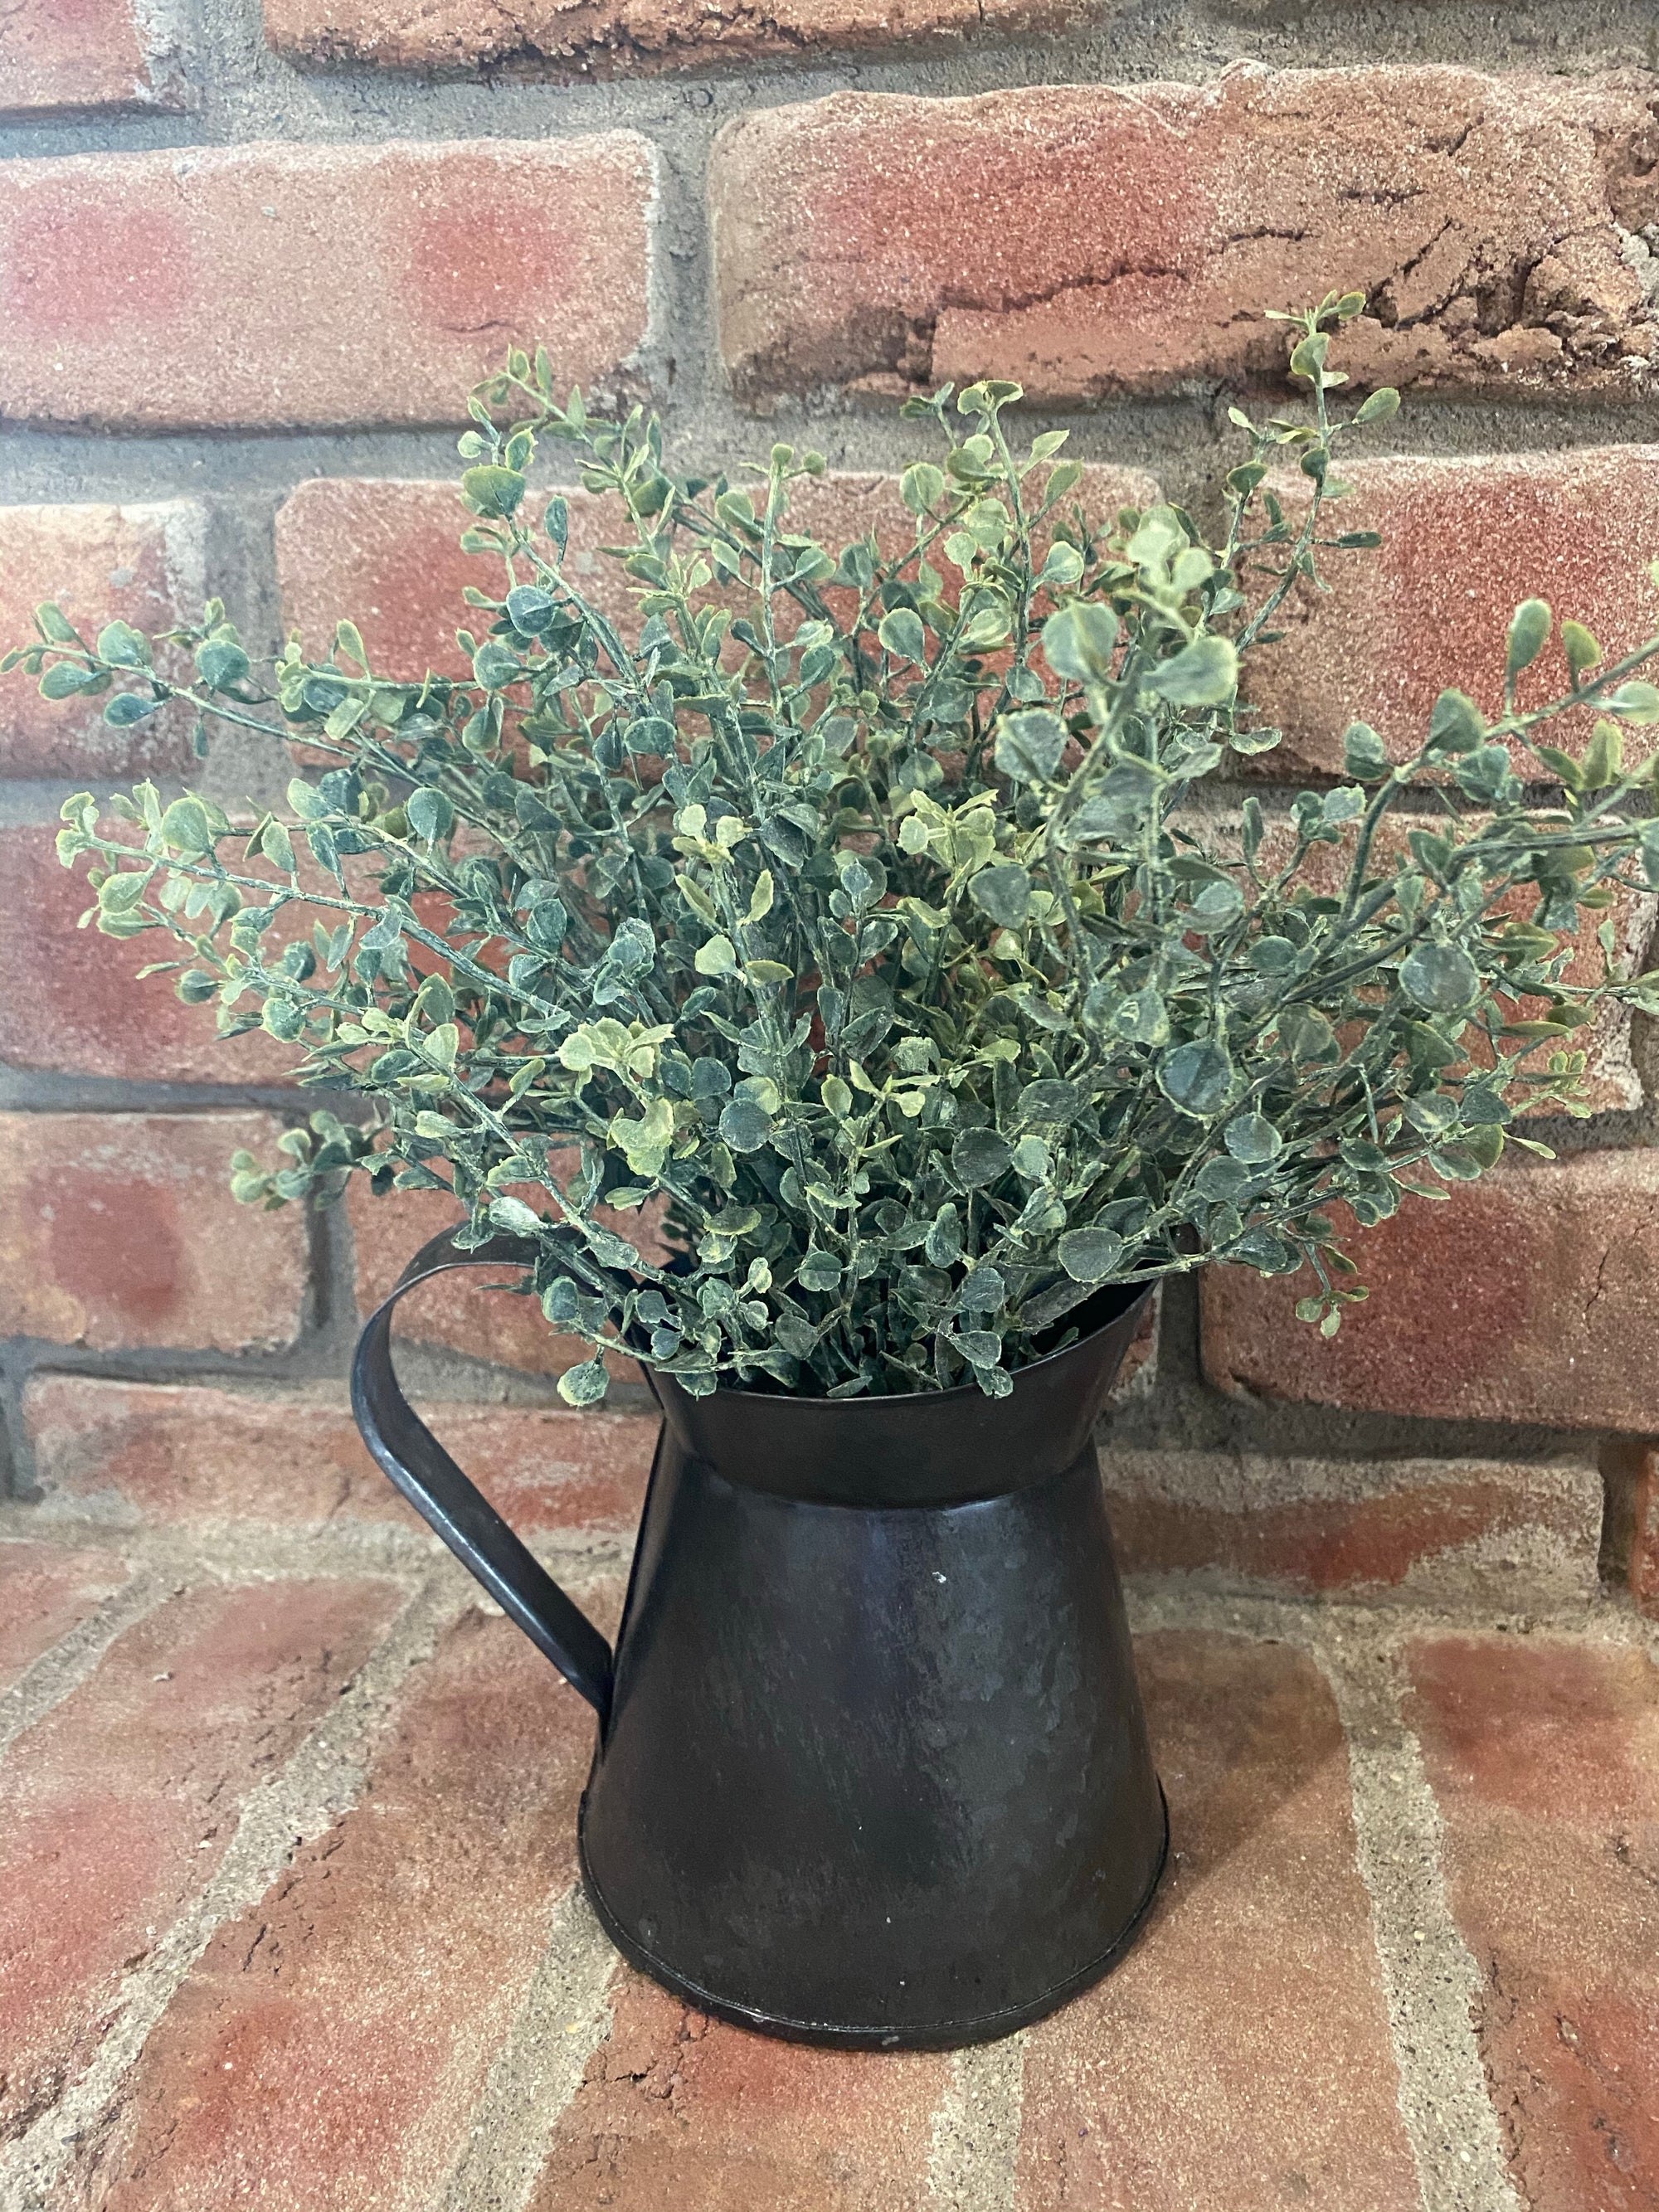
461, 1312
1464, 541
1630, 1466
118, 1230
73, 1003
166, 1453
142, 564
339, 2031
121, 1802
1525, 1296
1088, 241
1510, 1534
446, 254
586, 40
1240, 2054
1544, 1757
388, 553
680, 2110
44, 1593
57, 54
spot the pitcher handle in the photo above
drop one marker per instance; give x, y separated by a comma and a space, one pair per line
407, 1451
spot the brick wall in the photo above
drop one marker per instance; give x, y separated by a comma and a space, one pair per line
248, 267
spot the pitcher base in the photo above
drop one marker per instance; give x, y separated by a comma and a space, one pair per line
850, 2035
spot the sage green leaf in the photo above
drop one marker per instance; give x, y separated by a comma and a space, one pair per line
430, 815
1004, 893
1364, 755
1029, 745
1455, 725
586, 1383
1529, 633
185, 827
518, 1220
1202, 674
123, 647
745, 1125
902, 634
1252, 1139
978, 1157
1088, 1256
492, 490
819, 1271
1198, 1077
1079, 640
1441, 978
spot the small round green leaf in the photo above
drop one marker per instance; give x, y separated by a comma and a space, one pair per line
979, 1157
1198, 1077
1088, 1256
1202, 674
745, 1124
1004, 893
1441, 978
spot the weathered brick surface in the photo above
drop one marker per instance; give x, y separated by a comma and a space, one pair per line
1525, 1296
1464, 541
72, 1002
121, 1803
587, 39
118, 1230
44, 1593
142, 564
1544, 1757
1088, 241
388, 553
57, 54
338, 2032
679, 2110
1504, 1534
170, 1454
463, 1311
447, 253
1240, 2053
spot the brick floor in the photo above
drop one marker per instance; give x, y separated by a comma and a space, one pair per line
415, 2009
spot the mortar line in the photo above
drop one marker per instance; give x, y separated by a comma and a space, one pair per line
58, 1672
565, 2015
973, 2157
1430, 1979
321, 1780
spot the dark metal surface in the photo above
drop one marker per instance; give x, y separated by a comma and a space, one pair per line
872, 1767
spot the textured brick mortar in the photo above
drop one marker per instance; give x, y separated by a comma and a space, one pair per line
1126, 240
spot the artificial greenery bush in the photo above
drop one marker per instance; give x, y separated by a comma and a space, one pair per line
899, 925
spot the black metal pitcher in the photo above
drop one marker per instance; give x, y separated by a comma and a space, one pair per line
872, 1765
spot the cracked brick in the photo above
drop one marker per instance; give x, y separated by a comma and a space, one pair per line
447, 253
1096, 240
1525, 1297
576, 38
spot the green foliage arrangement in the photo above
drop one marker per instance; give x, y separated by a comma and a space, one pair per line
883, 924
